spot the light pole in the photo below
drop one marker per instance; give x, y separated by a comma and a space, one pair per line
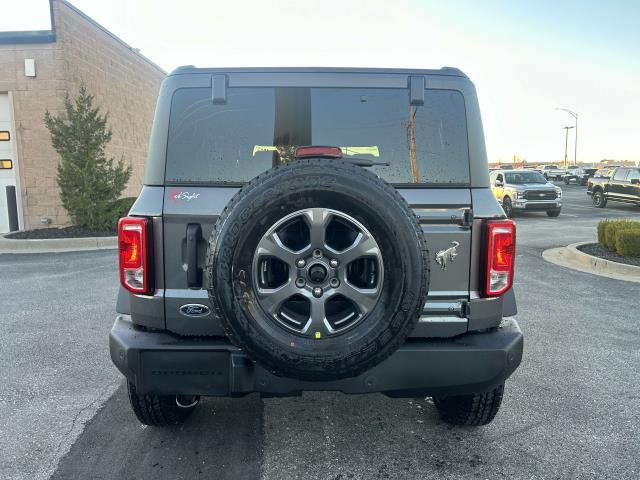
575, 147
566, 142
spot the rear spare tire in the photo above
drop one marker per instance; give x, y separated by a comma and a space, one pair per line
318, 269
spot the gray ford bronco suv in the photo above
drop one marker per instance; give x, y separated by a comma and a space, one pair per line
316, 229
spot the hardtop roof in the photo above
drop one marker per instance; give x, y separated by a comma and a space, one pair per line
444, 71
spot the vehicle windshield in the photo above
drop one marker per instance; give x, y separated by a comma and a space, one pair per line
259, 128
603, 172
519, 178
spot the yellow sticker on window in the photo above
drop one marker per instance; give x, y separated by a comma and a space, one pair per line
6, 164
373, 150
317, 335
263, 148
4, 136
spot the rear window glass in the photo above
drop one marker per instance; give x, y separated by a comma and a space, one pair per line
258, 128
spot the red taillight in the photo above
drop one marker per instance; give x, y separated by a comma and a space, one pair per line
501, 254
326, 152
133, 237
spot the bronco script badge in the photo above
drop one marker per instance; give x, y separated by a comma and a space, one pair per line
177, 195
448, 255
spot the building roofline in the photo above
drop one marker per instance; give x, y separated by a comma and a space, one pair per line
112, 35
49, 36
27, 36
31, 36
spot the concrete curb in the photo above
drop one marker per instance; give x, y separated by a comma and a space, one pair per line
9, 245
573, 258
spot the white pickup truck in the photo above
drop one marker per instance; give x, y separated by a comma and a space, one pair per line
553, 172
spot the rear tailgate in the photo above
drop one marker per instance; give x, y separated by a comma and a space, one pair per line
217, 128
444, 214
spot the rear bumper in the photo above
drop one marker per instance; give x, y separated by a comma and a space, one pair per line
161, 363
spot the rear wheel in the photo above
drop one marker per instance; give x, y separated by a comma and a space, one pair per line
161, 410
553, 213
470, 410
598, 198
566, 180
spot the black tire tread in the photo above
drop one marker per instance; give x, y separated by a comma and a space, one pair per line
157, 410
470, 410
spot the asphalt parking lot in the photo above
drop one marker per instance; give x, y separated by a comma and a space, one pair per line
572, 410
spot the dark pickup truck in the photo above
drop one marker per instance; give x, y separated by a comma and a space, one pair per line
622, 186
580, 175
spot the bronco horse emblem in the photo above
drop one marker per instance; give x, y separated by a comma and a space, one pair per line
448, 255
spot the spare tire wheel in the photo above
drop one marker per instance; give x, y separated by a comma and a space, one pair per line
318, 269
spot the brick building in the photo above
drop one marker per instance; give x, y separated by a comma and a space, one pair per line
37, 69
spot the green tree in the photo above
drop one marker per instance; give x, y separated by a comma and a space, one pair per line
90, 183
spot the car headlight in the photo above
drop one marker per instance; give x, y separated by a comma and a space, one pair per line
559, 192
519, 194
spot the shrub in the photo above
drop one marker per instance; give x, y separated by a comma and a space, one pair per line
122, 206
112, 213
90, 183
621, 236
607, 230
602, 227
628, 241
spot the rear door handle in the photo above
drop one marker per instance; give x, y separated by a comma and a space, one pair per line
194, 274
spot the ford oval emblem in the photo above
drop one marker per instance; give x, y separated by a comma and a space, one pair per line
194, 310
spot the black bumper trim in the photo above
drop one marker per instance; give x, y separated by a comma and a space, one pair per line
160, 363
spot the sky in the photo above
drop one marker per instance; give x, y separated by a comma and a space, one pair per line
525, 58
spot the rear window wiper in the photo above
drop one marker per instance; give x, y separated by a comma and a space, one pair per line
334, 153
365, 162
